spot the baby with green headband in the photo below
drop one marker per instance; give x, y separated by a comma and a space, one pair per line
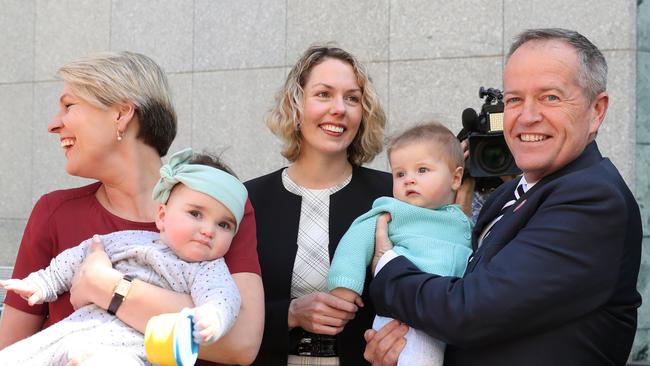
201, 206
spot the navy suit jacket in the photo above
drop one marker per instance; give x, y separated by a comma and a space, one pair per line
553, 284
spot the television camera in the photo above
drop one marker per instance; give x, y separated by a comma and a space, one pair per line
489, 155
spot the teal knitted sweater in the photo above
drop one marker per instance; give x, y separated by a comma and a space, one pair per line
437, 241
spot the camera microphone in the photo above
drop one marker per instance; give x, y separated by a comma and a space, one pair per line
470, 119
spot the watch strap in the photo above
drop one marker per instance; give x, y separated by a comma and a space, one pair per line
119, 294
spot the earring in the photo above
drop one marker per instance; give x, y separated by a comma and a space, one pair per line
120, 134
297, 127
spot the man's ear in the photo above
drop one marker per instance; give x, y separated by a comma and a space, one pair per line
160, 217
457, 178
599, 109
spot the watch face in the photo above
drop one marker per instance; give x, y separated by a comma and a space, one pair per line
123, 287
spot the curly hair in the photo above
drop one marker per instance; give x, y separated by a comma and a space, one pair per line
285, 116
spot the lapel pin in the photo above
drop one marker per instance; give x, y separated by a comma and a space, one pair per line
518, 206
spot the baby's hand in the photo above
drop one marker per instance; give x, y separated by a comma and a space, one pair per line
207, 325
347, 295
25, 289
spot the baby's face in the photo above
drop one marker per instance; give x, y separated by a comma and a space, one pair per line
422, 176
195, 226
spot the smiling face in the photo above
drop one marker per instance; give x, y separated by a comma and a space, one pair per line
423, 176
87, 132
194, 225
548, 119
332, 109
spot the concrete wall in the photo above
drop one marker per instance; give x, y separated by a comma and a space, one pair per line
226, 60
641, 350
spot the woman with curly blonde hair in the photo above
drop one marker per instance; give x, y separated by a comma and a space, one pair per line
330, 120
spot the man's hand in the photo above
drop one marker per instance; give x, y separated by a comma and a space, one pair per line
384, 346
382, 242
464, 145
320, 313
465, 195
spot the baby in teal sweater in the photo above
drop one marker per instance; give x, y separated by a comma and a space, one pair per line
426, 226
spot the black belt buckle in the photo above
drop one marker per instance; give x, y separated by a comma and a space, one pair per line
316, 345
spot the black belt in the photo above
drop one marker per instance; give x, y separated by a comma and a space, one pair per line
315, 345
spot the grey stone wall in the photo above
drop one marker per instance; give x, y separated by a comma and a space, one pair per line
641, 350
226, 60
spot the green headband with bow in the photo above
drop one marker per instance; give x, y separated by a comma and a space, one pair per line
202, 178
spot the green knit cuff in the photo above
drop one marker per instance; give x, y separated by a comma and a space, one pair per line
345, 282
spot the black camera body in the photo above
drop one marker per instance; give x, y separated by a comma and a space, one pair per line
489, 155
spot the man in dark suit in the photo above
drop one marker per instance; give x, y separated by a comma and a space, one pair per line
552, 280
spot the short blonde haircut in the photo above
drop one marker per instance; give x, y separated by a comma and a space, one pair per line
285, 116
434, 133
110, 78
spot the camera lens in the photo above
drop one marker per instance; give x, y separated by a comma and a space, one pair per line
493, 155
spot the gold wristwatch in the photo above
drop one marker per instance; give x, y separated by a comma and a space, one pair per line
120, 292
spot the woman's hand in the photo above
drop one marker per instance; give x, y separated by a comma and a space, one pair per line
320, 313
95, 279
384, 346
382, 242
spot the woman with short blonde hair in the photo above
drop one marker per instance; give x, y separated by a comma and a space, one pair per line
115, 121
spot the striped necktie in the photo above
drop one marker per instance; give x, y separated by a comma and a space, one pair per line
518, 192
